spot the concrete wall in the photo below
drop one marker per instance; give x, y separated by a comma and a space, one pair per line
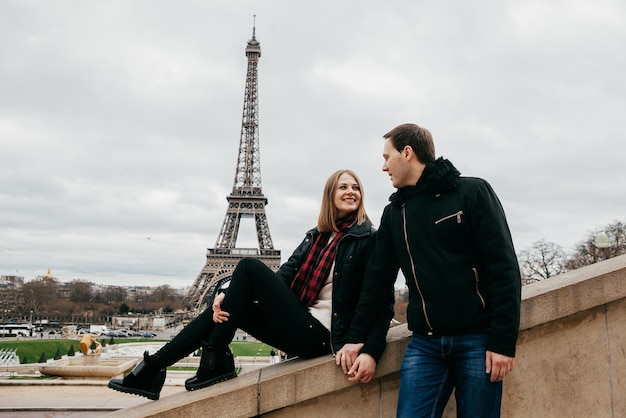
571, 361
571, 358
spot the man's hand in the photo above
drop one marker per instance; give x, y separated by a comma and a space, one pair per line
358, 367
219, 315
347, 356
498, 366
363, 369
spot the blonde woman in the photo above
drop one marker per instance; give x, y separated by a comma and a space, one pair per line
304, 309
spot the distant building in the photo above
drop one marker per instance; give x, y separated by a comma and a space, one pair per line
11, 281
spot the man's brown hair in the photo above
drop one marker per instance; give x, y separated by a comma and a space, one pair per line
416, 137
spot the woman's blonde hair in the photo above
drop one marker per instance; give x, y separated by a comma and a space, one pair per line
326, 222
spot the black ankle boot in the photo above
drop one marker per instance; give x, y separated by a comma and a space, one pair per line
146, 379
216, 365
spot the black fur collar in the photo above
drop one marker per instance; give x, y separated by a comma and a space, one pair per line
438, 176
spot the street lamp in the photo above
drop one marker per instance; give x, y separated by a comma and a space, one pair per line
602, 242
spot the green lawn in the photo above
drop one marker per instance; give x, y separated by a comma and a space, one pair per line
250, 349
30, 351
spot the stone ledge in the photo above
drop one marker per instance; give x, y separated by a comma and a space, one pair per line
270, 388
572, 292
564, 320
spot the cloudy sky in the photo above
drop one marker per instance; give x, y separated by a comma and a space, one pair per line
120, 120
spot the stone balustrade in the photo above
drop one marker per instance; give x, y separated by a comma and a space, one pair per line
571, 361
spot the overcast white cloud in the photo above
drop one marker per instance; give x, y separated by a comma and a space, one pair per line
120, 120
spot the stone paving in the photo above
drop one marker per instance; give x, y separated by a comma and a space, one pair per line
86, 399
55, 398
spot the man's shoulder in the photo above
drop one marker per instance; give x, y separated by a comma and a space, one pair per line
474, 184
472, 181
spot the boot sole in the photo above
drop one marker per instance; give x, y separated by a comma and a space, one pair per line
211, 382
133, 391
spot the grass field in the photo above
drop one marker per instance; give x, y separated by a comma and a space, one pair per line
30, 351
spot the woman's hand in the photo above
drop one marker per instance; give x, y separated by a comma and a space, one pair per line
219, 315
347, 356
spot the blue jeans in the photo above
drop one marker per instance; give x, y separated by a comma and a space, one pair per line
433, 366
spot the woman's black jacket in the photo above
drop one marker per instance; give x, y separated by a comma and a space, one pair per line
353, 252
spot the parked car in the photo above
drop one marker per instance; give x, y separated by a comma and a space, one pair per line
116, 333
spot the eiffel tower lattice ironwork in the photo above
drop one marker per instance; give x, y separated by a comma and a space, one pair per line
245, 201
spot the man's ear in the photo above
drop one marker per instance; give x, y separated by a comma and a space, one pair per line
407, 152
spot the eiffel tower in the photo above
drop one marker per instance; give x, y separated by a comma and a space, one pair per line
245, 201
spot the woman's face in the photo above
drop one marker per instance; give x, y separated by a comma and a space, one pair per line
347, 195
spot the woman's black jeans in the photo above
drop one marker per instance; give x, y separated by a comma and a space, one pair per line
263, 306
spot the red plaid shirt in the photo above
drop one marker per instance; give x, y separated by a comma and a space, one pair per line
316, 267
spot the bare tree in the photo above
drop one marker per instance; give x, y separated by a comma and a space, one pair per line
163, 293
617, 237
542, 260
80, 291
113, 294
40, 294
587, 253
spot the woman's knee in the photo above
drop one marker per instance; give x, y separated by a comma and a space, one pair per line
247, 264
246, 269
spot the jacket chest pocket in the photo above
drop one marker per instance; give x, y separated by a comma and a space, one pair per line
457, 216
451, 229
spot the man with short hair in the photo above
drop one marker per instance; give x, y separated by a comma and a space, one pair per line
449, 236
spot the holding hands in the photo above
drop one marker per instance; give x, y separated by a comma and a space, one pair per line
358, 367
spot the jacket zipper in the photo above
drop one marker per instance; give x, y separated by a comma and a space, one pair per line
457, 215
330, 337
482, 300
330, 331
419, 290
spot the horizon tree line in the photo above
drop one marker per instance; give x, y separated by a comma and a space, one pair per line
80, 301
545, 259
